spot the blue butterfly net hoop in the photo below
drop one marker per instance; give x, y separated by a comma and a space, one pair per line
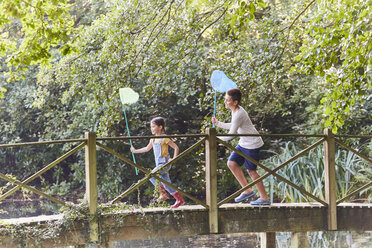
220, 82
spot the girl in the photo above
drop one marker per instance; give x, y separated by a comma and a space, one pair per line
162, 157
249, 145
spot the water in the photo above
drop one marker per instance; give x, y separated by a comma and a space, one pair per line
252, 240
330, 239
17, 209
247, 240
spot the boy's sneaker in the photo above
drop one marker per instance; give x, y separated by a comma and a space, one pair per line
260, 201
243, 196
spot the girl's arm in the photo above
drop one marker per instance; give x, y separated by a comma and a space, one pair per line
175, 147
143, 149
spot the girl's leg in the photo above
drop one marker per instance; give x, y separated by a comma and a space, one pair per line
153, 181
165, 176
260, 187
239, 175
160, 187
177, 195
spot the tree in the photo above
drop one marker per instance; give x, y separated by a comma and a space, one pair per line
166, 51
337, 49
41, 24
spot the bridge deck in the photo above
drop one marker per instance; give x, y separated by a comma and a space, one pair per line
244, 212
192, 220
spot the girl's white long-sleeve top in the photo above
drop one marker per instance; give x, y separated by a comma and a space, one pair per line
242, 124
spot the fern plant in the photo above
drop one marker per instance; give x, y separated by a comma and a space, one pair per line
308, 173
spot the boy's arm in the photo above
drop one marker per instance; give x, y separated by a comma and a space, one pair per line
236, 122
224, 125
175, 147
221, 124
143, 149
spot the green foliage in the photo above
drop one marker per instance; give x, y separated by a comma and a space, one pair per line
2, 91
24, 120
166, 51
35, 235
337, 49
40, 26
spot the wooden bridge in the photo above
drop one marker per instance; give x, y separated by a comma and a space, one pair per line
102, 229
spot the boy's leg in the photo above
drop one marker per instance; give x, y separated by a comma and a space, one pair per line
239, 175
260, 187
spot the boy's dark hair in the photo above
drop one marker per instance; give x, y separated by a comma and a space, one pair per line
159, 121
235, 94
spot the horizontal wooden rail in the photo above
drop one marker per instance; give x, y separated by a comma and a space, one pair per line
353, 136
272, 135
41, 143
151, 137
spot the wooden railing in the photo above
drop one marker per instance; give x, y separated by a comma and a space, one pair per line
210, 140
25, 183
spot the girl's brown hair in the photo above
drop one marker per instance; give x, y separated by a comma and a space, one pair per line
159, 121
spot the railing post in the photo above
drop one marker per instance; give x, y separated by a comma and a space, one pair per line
91, 183
268, 240
211, 178
330, 179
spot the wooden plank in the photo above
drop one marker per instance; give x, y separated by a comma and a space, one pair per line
354, 217
30, 220
272, 219
272, 135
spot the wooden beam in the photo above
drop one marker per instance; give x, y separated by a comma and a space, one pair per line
91, 183
267, 240
145, 223
299, 240
211, 178
330, 179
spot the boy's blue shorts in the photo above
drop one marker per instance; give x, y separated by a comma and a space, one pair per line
253, 153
